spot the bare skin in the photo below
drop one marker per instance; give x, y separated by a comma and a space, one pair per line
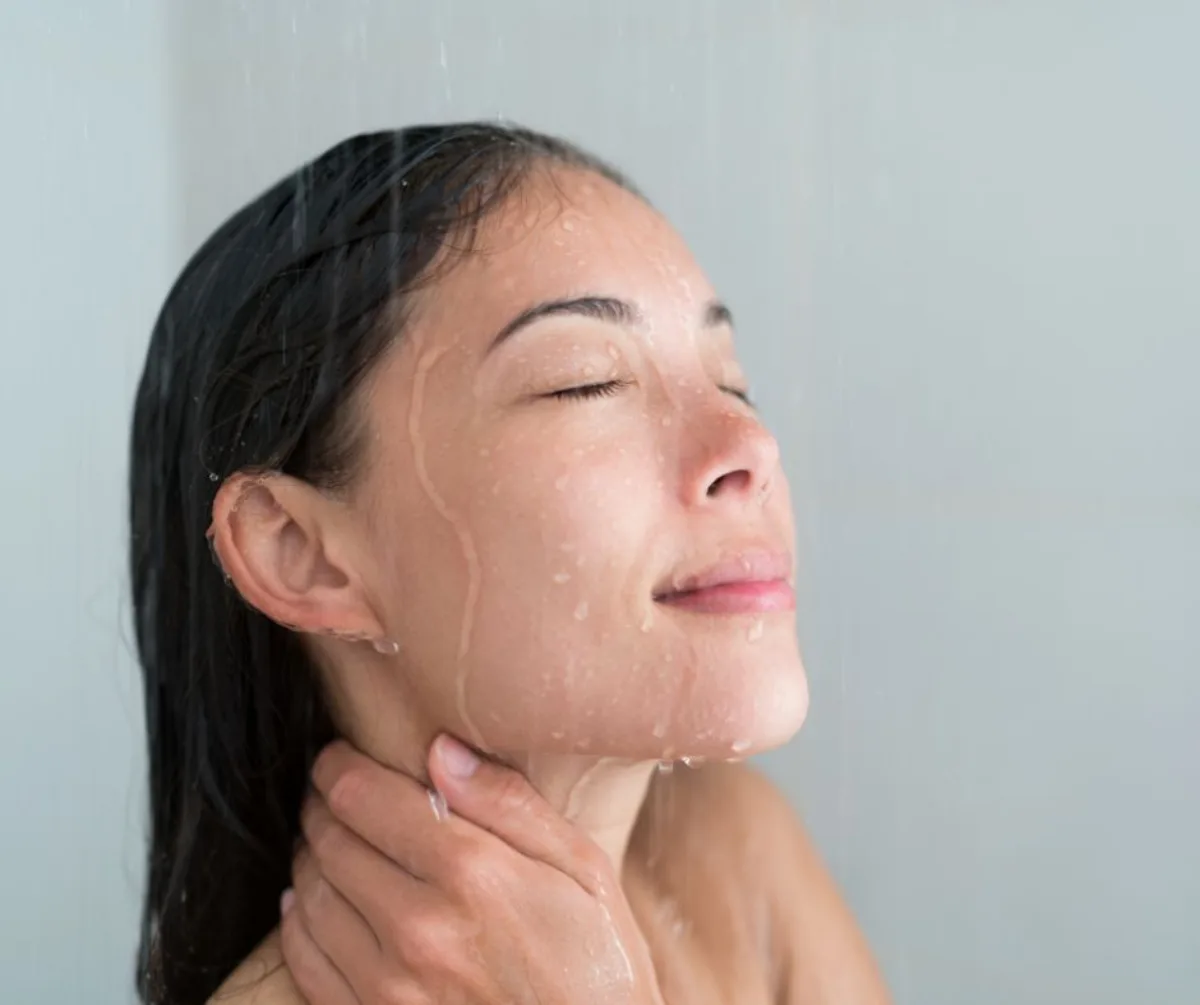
728, 891
514, 566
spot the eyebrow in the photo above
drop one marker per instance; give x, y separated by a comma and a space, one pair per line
610, 309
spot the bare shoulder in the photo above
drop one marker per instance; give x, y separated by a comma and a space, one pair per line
730, 828
261, 979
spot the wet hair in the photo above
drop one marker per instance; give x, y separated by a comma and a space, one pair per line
253, 364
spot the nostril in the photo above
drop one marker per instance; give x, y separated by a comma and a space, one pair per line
730, 481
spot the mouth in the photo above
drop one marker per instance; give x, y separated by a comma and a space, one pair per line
747, 582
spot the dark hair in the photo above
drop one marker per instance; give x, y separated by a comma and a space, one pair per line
253, 365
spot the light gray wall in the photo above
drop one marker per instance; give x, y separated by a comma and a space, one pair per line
997, 418
88, 244
960, 240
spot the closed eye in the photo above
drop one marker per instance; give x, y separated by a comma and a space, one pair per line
602, 390
608, 388
742, 396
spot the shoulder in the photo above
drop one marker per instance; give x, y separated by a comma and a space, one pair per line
731, 823
261, 979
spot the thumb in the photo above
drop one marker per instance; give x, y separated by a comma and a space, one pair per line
503, 801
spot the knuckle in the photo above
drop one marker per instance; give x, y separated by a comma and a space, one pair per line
513, 793
346, 791
325, 838
430, 944
391, 989
477, 868
321, 894
593, 861
304, 877
327, 765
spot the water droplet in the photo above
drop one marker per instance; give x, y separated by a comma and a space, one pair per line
581, 611
438, 803
568, 225
647, 622
666, 767
756, 631
740, 746
558, 734
692, 762
659, 730
562, 577
386, 647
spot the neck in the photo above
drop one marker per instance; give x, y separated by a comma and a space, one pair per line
602, 796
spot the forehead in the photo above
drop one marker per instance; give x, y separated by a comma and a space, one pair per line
564, 233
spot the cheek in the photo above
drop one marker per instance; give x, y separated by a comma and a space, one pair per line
566, 524
521, 593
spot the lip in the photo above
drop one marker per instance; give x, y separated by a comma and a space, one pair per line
750, 581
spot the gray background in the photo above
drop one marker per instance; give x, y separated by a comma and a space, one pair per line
961, 240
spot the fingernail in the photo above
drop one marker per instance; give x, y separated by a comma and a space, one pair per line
286, 901
460, 761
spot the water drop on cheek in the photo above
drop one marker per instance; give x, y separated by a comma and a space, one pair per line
756, 632
581, 612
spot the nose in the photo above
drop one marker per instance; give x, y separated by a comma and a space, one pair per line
734, 458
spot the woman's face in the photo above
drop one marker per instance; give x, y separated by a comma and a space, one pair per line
535, 495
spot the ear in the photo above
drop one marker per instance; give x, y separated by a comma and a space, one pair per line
287, 549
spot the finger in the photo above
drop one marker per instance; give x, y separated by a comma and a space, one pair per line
364, 878
311, 970
387, 809
342, 934
502, 801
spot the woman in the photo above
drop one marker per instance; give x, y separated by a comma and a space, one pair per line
444, 436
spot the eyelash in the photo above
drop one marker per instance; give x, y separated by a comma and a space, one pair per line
603, 390
611, 387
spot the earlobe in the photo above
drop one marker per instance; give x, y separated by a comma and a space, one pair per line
276, 538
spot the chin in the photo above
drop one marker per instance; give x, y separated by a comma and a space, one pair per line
758, 707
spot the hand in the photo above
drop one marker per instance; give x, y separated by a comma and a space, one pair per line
500, 901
